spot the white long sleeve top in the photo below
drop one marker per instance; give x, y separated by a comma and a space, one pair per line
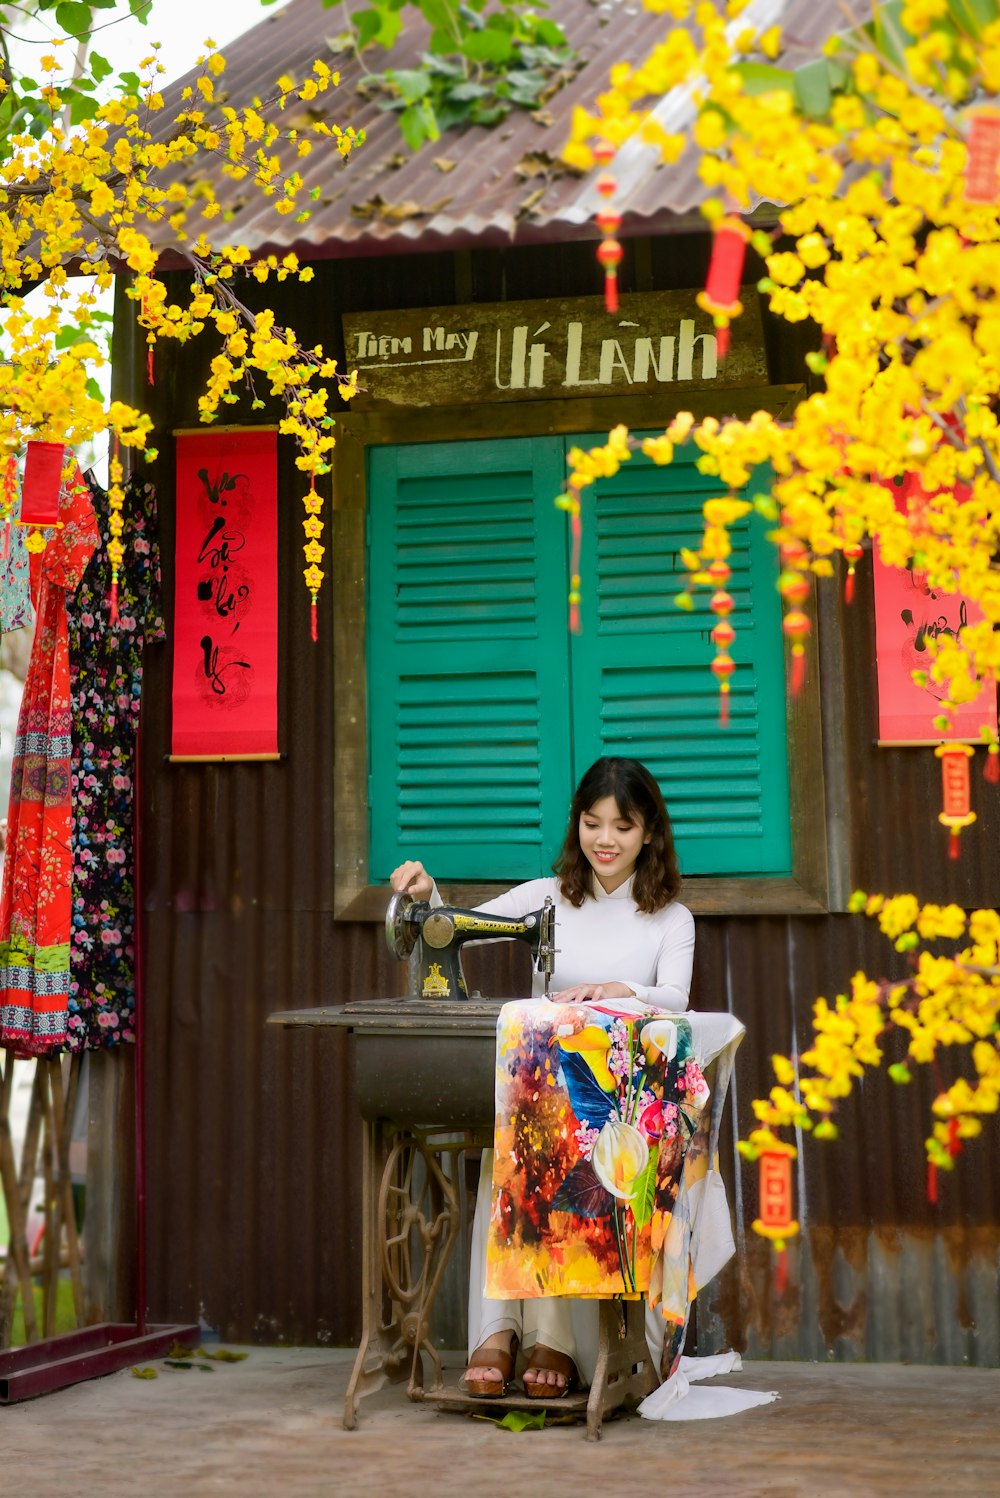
609, 940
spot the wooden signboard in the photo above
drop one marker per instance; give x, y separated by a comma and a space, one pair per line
545, 350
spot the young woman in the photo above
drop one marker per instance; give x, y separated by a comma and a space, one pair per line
620, 934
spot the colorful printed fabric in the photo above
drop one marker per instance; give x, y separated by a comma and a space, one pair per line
35, 902
15, 587
106, 689
595, 1114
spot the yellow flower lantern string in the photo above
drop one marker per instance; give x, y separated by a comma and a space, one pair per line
145, 310
571, 504
774, 1203
955, 813
723, 635
313, 551
982, 162
609, 251
7, 503
116, 525
793, 585
952, 1146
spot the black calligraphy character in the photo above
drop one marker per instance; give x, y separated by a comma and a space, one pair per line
230, 543
932, 629
223, 485
215, 673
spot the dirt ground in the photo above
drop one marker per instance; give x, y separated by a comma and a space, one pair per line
269, 1427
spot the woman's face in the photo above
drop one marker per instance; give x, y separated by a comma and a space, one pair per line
611, 843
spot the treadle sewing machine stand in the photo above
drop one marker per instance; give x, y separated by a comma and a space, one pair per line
425, 1073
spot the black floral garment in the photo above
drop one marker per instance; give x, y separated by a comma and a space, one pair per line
106, 690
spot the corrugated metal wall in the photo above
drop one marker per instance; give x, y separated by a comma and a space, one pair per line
253, 1142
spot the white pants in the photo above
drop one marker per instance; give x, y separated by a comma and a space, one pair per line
556, 1321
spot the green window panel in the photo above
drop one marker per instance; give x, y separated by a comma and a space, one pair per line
468, 658
483, 712
641, 684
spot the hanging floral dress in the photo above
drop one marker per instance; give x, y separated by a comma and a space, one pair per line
106, 686
35, 900
15, 593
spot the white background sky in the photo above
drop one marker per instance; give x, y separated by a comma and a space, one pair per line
181, 26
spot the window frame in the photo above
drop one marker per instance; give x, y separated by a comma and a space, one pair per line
807, 890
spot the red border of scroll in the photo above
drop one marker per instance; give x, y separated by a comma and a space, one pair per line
908, 612
225, 685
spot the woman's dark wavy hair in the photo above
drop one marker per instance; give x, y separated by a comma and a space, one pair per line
638, 798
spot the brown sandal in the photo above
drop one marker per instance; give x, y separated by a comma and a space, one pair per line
491, 1357
551, 1361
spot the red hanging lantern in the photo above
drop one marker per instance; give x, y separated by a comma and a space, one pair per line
991, 769
955, 794
609, 251
797, 627
721, 296
774, 1203
43, 468
9, 501
723, 635
853, 552
793, 587
982, 162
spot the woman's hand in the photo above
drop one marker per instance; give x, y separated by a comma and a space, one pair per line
584, 992
414, 878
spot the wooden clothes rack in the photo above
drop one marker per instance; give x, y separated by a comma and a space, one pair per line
45, 1157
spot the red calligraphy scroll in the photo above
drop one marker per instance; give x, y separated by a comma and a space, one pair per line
225, 686
909, 613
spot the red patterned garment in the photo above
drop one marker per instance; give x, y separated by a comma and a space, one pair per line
35, 905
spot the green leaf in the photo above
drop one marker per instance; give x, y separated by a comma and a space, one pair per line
131, 81
762, 78
470, 90
549, 34
418, 123
392, 25
83, 108
889, 33
488, 45
413, 83
812, 88
73, 17
645, 1191
100, 68
140, 10
441, 16
443, 67
972, 16
367, 25
144, 1373
517, 1420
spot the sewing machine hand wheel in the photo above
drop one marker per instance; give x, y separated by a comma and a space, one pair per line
400, 934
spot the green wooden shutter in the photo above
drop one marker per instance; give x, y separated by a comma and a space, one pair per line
467, 658
641, 683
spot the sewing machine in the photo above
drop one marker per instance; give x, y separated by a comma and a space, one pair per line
444, 930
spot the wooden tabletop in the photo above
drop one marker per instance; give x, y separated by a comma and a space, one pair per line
429, 1016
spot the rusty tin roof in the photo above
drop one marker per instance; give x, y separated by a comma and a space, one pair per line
476, 186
